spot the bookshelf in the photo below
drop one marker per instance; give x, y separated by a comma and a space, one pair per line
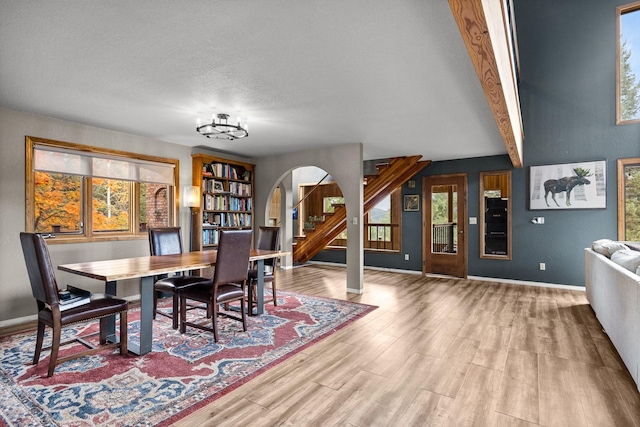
226, 187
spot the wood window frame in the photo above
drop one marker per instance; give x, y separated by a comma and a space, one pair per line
622, 163
88, 235
505, 186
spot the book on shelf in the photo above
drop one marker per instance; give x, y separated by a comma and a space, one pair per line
73, 297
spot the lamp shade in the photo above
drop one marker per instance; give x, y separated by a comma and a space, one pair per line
191, 196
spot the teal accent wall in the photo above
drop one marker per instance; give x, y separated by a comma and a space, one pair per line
568, 101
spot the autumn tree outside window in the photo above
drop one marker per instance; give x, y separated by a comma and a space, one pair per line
84, 193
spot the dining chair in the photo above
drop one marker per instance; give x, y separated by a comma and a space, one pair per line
168, 241
45, 290
229, 278
268, 239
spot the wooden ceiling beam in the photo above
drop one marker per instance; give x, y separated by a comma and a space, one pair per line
489, 48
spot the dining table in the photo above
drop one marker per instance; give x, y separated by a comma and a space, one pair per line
147, 268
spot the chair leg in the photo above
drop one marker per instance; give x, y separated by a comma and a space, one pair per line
123, 333
103, 330
273, 290
39, 340
250, 297
55, 346
183, 314
174, 315
244, 315
214, 321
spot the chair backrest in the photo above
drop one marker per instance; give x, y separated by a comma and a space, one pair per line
41, 273
165, 241
269, 239
232, 261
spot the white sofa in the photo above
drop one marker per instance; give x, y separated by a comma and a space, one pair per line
613, 292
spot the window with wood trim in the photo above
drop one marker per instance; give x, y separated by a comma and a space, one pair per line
628, 64
83, 193
495, 215
382, 225
629, 199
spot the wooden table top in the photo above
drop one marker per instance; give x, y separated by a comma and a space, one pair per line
129, 268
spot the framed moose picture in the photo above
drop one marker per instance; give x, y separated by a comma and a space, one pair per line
568, 186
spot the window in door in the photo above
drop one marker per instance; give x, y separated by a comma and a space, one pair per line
444, 212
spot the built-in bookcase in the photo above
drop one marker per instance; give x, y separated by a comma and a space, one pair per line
226, 187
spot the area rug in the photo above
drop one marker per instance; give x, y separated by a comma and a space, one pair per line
182, 373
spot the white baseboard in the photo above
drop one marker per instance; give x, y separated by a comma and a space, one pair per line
18, 321
528, 283
485, 279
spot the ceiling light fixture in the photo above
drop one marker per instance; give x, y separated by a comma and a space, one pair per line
223, 129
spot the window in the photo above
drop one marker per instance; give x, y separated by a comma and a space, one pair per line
629, 199
628, 75
495, 215
81, 193
382, 224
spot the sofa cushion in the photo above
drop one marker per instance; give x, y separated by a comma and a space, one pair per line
633, 245
607, 247
627, 258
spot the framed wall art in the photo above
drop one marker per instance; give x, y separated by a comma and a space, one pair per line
411, 202
579, 185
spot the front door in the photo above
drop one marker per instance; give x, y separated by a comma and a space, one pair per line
444, 200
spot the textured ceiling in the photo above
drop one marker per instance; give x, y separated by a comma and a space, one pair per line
394, 76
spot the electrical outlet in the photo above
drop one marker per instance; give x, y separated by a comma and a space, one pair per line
543, 266
406, 257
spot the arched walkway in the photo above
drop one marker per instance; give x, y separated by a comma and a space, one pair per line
344, 164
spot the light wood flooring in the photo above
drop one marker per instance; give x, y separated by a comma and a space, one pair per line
441, 352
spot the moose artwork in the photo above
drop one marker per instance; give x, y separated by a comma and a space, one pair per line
568, 186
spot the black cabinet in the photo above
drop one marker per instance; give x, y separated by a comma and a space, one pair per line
495, 218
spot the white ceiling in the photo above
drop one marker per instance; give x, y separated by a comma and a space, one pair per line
393, 75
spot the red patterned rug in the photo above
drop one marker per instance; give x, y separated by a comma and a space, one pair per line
180, 375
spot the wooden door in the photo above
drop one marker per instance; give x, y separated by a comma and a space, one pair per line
444, 201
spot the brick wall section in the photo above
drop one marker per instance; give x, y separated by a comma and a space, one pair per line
157, 210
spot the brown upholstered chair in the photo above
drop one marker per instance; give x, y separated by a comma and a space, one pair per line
268, 239
45, 290
229, 277
168, 241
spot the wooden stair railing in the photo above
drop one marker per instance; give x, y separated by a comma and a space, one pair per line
390, 177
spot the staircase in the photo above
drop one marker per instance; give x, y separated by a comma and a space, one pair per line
390, 177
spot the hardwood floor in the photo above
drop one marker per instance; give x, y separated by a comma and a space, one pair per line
441, 352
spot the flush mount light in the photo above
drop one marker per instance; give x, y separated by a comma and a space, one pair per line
222, 129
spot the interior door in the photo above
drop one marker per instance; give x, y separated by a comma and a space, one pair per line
444, 200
